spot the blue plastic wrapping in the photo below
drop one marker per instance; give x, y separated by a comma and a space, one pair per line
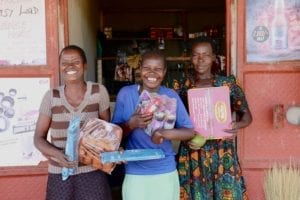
72, 146
131, 155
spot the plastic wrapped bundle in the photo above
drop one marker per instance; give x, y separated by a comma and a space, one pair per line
71, 146
98, 136
132, 155
163, 109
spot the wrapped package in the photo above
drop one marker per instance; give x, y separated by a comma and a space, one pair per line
163, 109
98, 136
72, 146
132, 155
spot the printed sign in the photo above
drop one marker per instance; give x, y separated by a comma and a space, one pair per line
22, 32
273, 29
19, 109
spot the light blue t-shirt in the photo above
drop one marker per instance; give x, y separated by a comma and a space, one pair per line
126, 105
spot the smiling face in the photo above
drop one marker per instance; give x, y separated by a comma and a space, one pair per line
72, 65
153, 70
203, 58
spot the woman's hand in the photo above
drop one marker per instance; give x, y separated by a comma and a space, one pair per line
245, 119
121, 151
193, 146
62, 160
157, 137
234, 129
139, 119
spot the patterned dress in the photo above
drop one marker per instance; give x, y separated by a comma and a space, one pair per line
213, 172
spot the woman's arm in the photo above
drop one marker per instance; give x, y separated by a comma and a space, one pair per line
172, 134
45, 147
105, 115
244, 119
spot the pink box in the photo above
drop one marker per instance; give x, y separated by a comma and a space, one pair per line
210, 111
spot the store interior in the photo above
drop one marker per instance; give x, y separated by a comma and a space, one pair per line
128, 28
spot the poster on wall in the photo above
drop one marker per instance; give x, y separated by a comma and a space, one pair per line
272, 30
19, 105
22, 32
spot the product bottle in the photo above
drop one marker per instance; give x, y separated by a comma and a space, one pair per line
161, 43
279, 29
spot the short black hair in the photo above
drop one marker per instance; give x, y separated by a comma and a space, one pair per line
154, 54
75, 48
216, 66
205, 39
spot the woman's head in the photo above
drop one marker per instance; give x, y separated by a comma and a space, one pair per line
203, 56
153, 70
73, 62
74, 48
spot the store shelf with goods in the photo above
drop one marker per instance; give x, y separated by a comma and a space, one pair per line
144, 23
172, 58
133, 31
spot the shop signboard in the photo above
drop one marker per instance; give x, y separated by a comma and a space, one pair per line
22, 32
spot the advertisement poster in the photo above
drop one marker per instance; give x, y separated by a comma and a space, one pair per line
22, 32
20, 100
210, 111
272, 30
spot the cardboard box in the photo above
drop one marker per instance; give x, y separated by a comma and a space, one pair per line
210, 111
166, 32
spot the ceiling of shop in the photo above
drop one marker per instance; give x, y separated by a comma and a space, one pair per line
190, 5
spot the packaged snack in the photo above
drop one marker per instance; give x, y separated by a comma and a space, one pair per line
163, 109
72, 146
98, 136
132, 155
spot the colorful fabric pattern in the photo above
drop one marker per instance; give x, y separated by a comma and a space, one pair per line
213, 171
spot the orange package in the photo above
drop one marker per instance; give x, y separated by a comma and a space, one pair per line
97, 136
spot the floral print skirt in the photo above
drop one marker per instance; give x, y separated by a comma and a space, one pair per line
210, 173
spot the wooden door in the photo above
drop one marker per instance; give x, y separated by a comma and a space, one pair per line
270, 76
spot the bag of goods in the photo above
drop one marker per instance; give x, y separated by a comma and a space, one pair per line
98, 136
163, 109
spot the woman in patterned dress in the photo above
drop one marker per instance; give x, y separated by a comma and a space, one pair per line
212, 171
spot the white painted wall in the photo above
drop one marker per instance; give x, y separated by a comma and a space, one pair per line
83, 19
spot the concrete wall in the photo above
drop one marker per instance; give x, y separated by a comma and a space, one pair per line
83, 23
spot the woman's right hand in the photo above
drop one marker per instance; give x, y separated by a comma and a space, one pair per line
139, 119
62, 160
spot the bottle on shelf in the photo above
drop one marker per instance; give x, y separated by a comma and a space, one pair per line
161, 43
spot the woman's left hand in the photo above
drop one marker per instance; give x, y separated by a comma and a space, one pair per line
121, 150
157, 137
234, 129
